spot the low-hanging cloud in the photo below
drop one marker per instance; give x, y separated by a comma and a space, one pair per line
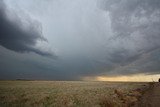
20, 35
91, 38
135, 26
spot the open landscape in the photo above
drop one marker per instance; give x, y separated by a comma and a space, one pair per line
70, 93
79, 53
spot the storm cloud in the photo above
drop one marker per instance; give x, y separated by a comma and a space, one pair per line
135, 26
20, 35
90, 38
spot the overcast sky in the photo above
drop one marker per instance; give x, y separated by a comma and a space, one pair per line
72, 39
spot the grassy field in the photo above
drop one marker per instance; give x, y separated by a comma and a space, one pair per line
69, 93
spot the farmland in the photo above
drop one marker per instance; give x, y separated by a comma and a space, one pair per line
69, 93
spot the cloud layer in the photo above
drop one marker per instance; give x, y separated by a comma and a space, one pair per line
135, 26
90, 37
19, 35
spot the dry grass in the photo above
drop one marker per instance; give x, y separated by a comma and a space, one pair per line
67, 94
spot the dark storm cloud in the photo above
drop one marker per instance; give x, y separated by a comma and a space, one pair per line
135, 24
16, 36
114, 37
136, 16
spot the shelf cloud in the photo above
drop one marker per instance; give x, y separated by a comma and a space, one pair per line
20, 35
90, 37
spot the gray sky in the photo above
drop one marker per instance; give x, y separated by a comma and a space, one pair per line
72, 39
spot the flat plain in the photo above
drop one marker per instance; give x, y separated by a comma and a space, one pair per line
70, 93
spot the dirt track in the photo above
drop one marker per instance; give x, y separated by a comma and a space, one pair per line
151, 98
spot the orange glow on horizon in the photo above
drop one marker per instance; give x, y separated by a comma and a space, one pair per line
130, 78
